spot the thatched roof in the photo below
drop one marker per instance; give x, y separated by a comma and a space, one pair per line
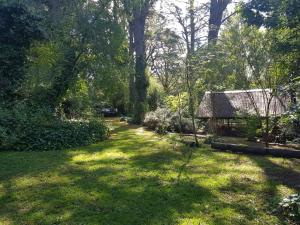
233, 104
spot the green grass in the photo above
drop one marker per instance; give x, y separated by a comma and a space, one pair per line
138, 178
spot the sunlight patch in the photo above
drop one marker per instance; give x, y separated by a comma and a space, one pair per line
5, 221
192, 221
25, 181
140, 131
284, 191
2, 190
146, 134
99, 156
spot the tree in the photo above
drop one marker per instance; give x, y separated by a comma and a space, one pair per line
262, 69
18, 30
192, 25
87, 42
283, 19
224, 66
217, 9
165, 52
137, 12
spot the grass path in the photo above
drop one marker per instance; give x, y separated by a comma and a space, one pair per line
137, 178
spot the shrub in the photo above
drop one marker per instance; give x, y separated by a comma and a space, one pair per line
290, 207
186, 125
29, 129
249, 127
289, 126
253, 123
159, 120
163, 120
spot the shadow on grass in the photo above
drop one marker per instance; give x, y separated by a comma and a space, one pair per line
276, 175
135, 183
101, 196
274, 172
53, 188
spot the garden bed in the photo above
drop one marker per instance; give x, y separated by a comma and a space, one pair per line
238, 148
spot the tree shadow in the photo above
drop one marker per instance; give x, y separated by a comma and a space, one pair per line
102, 196
276, 175
279, 174
145, 184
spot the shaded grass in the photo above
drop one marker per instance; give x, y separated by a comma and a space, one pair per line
133, 178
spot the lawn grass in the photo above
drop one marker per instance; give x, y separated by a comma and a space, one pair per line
136, 178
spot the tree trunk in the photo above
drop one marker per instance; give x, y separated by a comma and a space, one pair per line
217, 8
180, 115
267, 131
140, 79
267, 141
190, 70
132, 96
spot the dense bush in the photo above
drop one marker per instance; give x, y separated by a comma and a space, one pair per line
289, 126
290, 207
185, 126
252, 127
26, 129
159, 120
163, 120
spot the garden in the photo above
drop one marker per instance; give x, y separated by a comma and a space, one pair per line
149, 112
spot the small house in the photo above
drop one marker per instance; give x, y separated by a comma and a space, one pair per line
222, 108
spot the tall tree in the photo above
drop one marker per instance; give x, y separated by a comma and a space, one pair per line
283, 19
87, 42
137, 12
192, 24
18, 29
164, 53
217, 9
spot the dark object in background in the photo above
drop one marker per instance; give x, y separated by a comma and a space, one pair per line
109, 112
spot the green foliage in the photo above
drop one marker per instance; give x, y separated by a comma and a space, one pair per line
18, 29
226, 65
282, 19
29, 128
165, 54
83, 61
272, 13
77, 102
85, 43
111, 84
153, 99
181, 125
163, 120
42, 68
253, 123
155, 94
176, 103
289, 126
140, 109
159, 120
289, 207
